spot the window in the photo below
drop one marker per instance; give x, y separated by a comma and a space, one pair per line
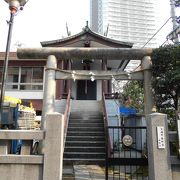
12, 78
24, 78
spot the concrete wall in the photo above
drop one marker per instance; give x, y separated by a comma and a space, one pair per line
25, 94
99, 90
21, 172
74, 89
27, 166
158, 147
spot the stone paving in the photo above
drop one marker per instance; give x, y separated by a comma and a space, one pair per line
88, 172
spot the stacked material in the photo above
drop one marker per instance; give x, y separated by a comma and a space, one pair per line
26, 117
12, 101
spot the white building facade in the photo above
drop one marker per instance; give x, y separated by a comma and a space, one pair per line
133, 21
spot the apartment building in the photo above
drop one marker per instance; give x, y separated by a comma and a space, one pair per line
133, 21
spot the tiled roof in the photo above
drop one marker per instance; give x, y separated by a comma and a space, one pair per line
86, 30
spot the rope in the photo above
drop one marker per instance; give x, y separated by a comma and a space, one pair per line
90, 73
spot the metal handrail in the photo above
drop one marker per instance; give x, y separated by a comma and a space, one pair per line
107, 135
111, 95
66, 113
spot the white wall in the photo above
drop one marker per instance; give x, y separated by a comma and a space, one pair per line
74, 89
99, 90
25, 94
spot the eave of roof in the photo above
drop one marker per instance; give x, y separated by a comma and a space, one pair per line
83, 32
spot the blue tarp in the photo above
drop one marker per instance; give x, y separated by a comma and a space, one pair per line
125, 111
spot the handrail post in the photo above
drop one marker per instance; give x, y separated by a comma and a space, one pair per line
107, 137
54, 146
66, 113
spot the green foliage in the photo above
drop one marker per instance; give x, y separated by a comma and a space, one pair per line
134, 95
166, 78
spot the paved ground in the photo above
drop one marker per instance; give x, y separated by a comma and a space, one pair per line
88, 172
83, 172
95, 172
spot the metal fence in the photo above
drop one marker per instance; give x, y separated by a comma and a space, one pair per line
126, 153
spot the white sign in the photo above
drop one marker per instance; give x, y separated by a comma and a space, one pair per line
160, 137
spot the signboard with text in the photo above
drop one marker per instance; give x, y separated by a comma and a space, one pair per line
160, 137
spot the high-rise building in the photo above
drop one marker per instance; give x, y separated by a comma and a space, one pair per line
133, 21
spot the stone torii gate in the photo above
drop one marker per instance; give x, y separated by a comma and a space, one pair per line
157, 171
52, 73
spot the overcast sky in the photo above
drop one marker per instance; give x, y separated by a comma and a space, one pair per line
43, 20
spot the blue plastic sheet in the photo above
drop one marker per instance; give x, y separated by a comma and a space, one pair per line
127, 111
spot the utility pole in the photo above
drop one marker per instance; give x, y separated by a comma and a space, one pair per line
174, 34
173, 14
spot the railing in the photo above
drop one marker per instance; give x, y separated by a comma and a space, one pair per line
174, 147
66, 113
107, 137
8, 145
27, 165
64, 96
136, 141
129, 153
111, 95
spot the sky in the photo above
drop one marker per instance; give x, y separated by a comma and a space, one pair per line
44, 20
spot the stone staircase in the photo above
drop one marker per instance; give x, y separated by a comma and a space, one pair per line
85, 141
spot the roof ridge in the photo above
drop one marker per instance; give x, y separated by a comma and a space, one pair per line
85, 30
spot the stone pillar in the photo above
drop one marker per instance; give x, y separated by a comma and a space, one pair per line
158, 147
49, 89
148, 95
53, 147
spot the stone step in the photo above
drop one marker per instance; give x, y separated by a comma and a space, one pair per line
83, 144
85, 108
84, 149
83, 155
85, 161
68, 173
68, 177
85, 138
83, 117
85, 141
86, 129
85, 124
77, 120
88, 115
85, 133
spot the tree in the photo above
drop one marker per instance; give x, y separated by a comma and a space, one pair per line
166, 79
134, 95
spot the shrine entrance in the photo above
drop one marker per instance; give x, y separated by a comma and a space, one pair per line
127, 153
86, 90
